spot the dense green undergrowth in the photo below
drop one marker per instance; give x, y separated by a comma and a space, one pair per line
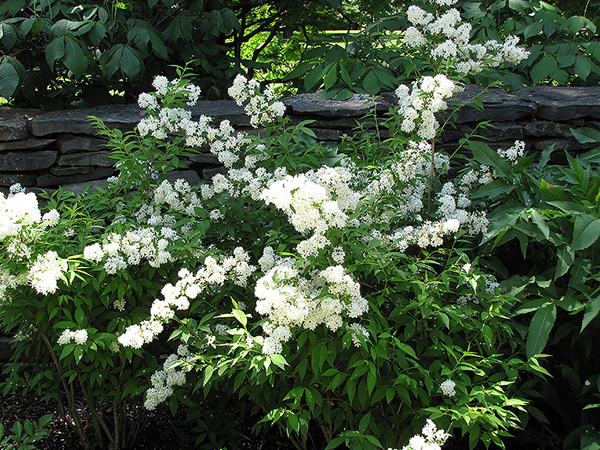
361, 295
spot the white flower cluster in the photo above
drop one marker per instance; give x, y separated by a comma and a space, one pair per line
307, 204
214, 273
419, 106
122, 251
80, 337
290, 300
45, 272
172, 374
513, 153
18, 211
430, 438
449, 40
263, 109
448, 388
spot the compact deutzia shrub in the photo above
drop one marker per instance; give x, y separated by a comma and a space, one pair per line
332, 290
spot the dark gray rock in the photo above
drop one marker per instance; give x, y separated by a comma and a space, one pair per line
544, 128
560, 104
77, 121
358, 106
27, 161
13, 130
209, 172
71, 143
190, 176
48, 180
204, 158
570, 145
26, 179
501, 131
101, 159
28, 144
220, 110
327, 135
80, 188
498, 105
66, 171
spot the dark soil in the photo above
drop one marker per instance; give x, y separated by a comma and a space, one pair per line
161, 431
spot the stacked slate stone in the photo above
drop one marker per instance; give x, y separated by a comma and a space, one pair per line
44, 150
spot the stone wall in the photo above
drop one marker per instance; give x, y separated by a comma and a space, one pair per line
44, 150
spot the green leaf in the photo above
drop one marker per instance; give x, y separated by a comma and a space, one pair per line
8, 35
371, 83
582, 66
130, 62
591, 312
586, 135
55, 50
543, 68
75, 58
585, 231
485, 155
9, 79
539, 330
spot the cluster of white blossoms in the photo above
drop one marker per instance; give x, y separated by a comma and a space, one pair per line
264, 108
122, 251
419, 105
430, 438
358, 332
290, 300
79, 337
447, 38
45, 272
448, 388
173, 374
308, 205
18, 211
213, 274
512, 154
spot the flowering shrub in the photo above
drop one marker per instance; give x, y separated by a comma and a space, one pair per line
331, 289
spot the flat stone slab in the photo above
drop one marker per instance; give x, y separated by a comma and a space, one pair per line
77, 121
47, 180
498, 105
72, 143
101, 159
27, 161
27, 144
561, 104
357, 106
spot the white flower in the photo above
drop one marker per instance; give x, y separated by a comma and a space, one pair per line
447, 388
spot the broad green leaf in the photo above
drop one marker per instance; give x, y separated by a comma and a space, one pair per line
539, 330
55, 50
12, 7
331, 77
582, 66
543, 68
371, 83
585, 232
586, 135
75, 58
565, 260
9, 79
538, 219
485, 155
493, 189
8, 35
130, 62
591, 312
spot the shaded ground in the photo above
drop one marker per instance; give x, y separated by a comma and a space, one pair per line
161, 432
